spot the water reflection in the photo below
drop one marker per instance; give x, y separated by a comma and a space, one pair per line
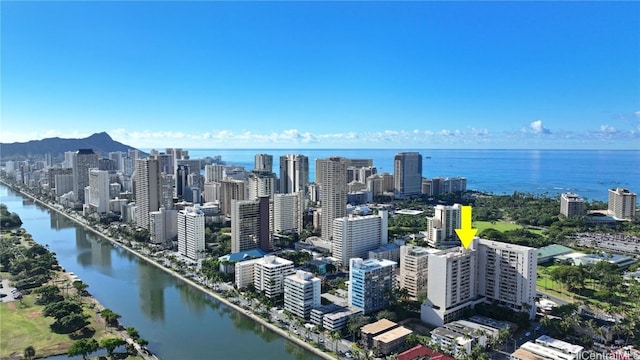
151, 294
59, 221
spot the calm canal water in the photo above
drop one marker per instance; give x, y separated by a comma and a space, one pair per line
179, 322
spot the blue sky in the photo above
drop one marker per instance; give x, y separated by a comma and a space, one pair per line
324, 74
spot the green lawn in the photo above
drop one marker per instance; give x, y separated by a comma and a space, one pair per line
498, 225
24, 325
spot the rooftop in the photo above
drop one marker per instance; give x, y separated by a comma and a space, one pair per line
553, 250
378, 326
523, 354
420, 351
393, 335
559, 344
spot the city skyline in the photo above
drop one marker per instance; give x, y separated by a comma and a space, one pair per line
265, 75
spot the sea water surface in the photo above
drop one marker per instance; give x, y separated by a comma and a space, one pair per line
589, 173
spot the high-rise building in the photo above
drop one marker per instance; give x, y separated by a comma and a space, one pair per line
301, 293
231, 189
263, 163
99, 190
250, 225
441, 227
191, 233
213, 173
333, 193
414, 261
371, 283
212, 191
507, 274
294, 173
355, 236
571, 205
261, 183
488, 271
163, 226
83, 160
148, 190
407, 174
182, 171
451, 285
622, 203
288, 213
269, 273
378, 184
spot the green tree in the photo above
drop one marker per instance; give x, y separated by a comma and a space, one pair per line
110, 344
354, 324
81, 287
60, 309
69, 323
133, 333
110, 317
83, 347
47, 294
29, 352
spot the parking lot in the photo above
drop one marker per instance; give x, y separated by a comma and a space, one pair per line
8, 293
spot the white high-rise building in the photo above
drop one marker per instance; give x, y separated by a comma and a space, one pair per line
355, 236
263, 162
288, 212
451, 285
333, 193
488, 271
507, 274
163, 226
407, 174
269, 274
301, 293
261, 183
83, 160
213, 173
99, 190
68, 159
212, 192
148, 190
441, 227
622, 203
571, 205
191, 241
294, 173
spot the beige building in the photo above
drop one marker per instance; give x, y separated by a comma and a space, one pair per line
622, 203
571, 205
414, 261
333, 193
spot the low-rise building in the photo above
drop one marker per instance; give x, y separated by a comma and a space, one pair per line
369, 331
337, 320
390, 341
548, 348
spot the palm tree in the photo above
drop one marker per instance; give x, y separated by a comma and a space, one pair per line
335, 336
29, 352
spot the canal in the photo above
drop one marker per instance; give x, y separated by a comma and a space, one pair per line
179, 321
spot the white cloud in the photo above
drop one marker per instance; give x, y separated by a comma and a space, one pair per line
608, 130
536, 127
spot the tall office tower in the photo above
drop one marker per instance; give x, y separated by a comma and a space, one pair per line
52, 172
622, 203
263, 162
355, 236
166, 190
195, 180
407, 174
269, 274
507, 275
148, 190
230, 190
163, 226
64, 183
451, 285
288, 213
365, 172
441, 227
571, 205
106, 164
352, 174
213, 173
314, 192
294, 173
414, 261
117, 157
182, 171
48, 160
261, 183
83, 160
133, 154
370, 283
301, 293
68, 159
250, 225
99, 190
191, 233
212, 192
333, 193
128, 166
166, 162
177, 154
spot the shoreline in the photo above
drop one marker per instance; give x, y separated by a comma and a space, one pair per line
284, 334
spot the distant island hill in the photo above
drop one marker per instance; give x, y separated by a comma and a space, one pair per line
99, 142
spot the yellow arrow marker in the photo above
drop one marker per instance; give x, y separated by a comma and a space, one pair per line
466, 233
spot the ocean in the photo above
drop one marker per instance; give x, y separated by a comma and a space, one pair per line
588, 173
